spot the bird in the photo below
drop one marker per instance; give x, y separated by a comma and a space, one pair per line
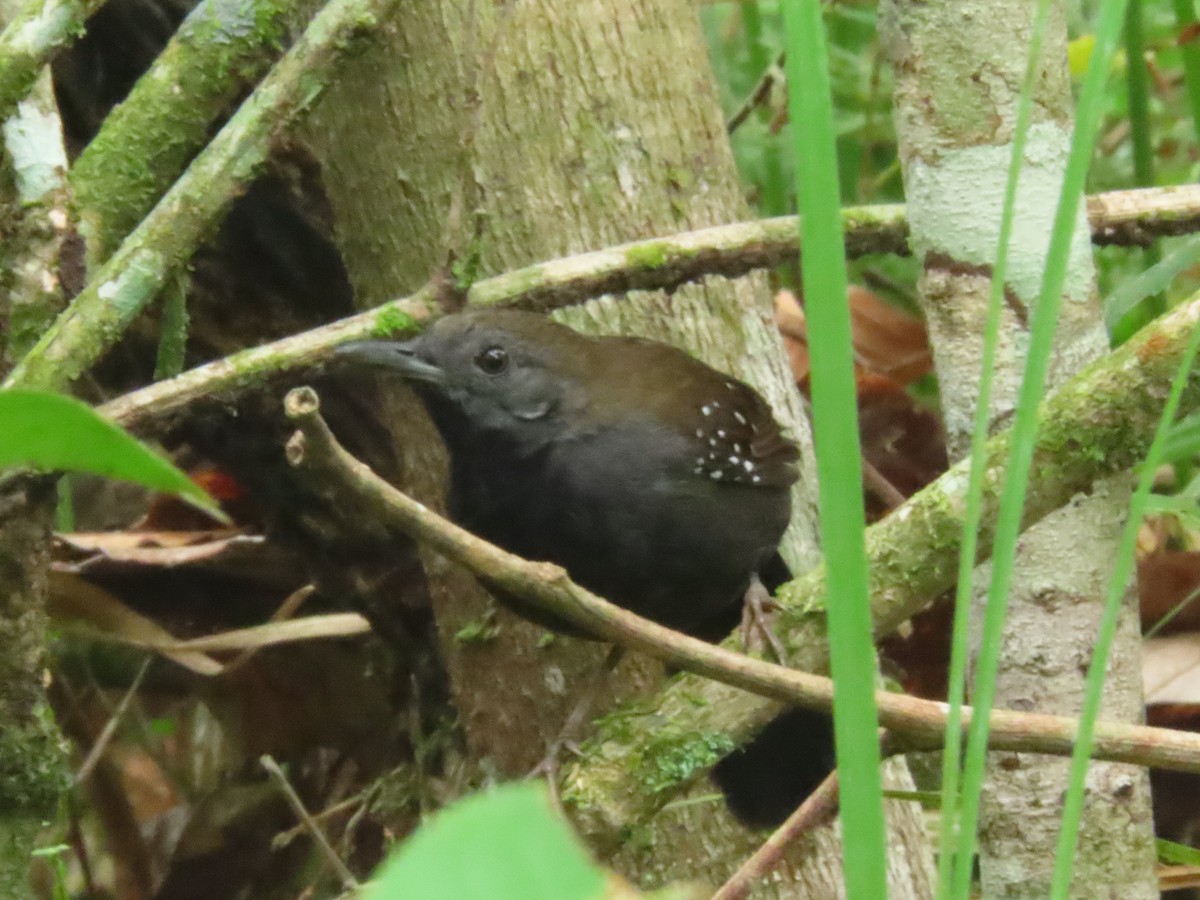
656, 481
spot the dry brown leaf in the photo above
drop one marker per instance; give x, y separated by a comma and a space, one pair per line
79, 551
901, 437
1171, 669
73, 600
1166, 579
887, 340
309, 628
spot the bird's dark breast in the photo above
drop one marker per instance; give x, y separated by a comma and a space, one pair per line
655, 481
622, 512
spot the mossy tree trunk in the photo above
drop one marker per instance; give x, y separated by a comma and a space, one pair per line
33, 755
536, 130
959, 69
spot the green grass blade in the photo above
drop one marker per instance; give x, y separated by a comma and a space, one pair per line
960, 630
839, 460
1024, 431
1185, 18
1137, 84
1094, 687
1153, 280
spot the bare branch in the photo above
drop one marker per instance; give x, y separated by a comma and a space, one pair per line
916, 723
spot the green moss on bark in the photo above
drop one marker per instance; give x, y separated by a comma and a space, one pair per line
391, 322
33, 765
148, 140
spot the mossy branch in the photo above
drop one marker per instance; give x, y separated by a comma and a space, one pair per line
656, 264
148, 139
28, 42
37, 229
168, 236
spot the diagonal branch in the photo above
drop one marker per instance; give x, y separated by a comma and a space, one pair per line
656, 264
168, 236
37, 31
918, 724
168, 115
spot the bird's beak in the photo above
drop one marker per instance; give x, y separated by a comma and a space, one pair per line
399, 357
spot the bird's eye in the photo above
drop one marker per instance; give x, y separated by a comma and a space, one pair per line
492, 361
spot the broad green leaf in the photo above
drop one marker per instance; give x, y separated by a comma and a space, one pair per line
55, 432
504, 844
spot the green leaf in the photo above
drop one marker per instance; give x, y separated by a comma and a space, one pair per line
1156, 279
505, 844
1183, 443
55, 432
1177, 854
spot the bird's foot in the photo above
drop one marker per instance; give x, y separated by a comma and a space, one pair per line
551, 763
574, 723
758, 609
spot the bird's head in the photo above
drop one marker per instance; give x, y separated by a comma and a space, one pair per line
497, 370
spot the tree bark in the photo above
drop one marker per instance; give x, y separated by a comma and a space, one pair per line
959, 68
33, 754
537, 130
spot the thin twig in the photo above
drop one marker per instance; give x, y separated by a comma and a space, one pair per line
283, 838
818, 808
758, 94
110, 727
281, 781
